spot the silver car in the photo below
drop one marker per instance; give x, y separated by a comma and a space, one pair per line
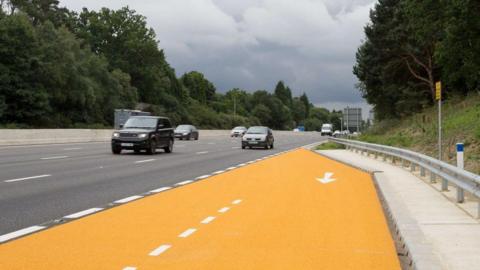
258, 136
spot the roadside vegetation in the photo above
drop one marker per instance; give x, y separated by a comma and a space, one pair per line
461, 123
62, 69
329, 146
410, 45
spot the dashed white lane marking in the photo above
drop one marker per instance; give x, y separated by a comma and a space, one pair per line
202, 153
211, 143
158, 190
236, 147
180, 145
12, 235
230, 168
27, 178
70, 149
83, 213
218, 172
161, 249
184, 183
202, 177
56, 157
250, 162
207, 220
224, 209
129, 268
144, 161
241, 165
237, 202
128, 199
187, 233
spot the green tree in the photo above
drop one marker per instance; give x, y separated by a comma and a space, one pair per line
283, 93
199, 87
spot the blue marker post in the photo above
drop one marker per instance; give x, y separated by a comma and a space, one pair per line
460, 162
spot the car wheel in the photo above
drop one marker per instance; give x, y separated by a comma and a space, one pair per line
271, 146
169, 147
153, 148
196, 138
116, 150
243, 146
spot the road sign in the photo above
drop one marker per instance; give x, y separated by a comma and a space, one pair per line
438, 90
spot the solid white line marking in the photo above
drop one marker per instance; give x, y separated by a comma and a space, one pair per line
250, 162
83, 213
231, 168
129, 268
237, 202
143, 161
241, 165
207, 220
158, 190
201, 153
218, 172
57, 157
75, 148
202, 177
128, 199
159, 250
224, 209
184, 183
27, 178
12, 235
187, 233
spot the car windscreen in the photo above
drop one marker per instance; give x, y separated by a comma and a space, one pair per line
183, 128
147, 123
239, 128
257, 130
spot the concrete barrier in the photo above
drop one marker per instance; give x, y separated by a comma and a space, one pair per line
56, 136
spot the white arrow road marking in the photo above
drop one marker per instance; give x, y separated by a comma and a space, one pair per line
326, 179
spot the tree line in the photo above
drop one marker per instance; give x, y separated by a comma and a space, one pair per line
410, 45
62, 69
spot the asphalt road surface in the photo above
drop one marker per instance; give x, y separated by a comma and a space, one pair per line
42, 183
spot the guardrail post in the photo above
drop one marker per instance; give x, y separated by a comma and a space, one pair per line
384, 157
422, 171
444, 184
478, 210
460, 193
432, 178
403, 163
412, 167
376, 155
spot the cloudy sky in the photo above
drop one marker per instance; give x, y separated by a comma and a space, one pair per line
252, 44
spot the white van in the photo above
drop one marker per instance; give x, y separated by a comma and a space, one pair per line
327, 129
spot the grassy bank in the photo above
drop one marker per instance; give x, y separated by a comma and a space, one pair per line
461, 123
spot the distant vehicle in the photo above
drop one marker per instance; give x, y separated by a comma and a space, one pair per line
186, 132
301, 128
337, 133
238, 131
258, 136
144, 133
327, 129
121, 116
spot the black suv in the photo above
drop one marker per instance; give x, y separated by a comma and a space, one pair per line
144, 133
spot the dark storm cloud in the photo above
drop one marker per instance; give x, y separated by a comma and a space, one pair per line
251, 44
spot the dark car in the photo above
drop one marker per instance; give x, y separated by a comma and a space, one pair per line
258, 137
186, 132
144, 133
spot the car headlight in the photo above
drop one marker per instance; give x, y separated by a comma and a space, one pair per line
142, 135
185, 133
116, 135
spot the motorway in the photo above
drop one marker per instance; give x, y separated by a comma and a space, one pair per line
43, 183
296, 210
